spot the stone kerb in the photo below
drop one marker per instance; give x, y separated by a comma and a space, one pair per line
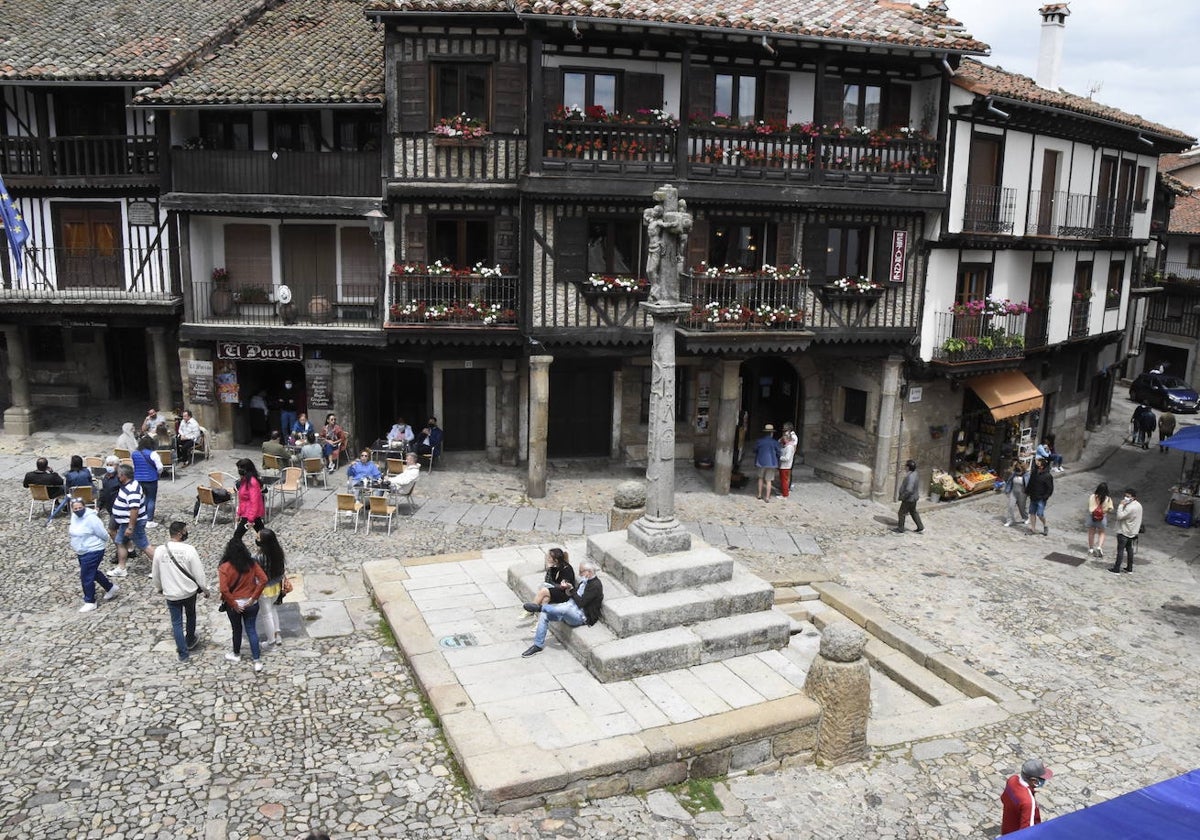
840, 682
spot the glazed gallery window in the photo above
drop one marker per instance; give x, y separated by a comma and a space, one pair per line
1116, 280
586, 88
736, 96
227, 132
854, 407
460, 241
1193, 257
974, 281
461, 88
356, 131
747, 245
614, 247
862, 105
848, 251
295, 131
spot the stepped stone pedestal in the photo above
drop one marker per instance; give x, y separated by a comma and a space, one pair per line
666, 611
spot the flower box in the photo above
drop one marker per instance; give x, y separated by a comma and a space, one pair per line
838, 295
467, 142
629, 294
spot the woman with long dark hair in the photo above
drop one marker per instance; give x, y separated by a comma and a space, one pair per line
270, 557
242, 581
250, 498
1099, 505
558, 570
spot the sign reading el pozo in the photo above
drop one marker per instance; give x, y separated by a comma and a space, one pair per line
244, 351
899, 254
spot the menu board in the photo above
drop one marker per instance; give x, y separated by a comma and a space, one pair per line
318, 375
200, 382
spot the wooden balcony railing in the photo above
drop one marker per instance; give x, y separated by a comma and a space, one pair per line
452, 300
989, 209
276, 173
978, 338
91, 275
575, 146
1077, 216
116, 156
256, 305
1080, 313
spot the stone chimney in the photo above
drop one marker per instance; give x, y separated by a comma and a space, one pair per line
1054, 21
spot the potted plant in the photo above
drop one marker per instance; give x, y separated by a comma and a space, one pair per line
460, 130
220, 299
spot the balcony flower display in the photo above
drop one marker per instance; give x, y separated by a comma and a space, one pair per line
1082, 296
599, 114
767, 314
220, 277
487, 271
474, 311
462, 127
854, 286
767, 272
991, 305
618, 284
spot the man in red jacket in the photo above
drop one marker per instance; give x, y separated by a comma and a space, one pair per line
1020, 796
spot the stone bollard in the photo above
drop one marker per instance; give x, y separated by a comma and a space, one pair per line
840, 681
629, 503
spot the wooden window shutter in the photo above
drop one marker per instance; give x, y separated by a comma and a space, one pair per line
697, 247
897, 105
775, 97
360, 265
505, 232
508, 98
552, 89
570, 250
785, 244
701, 91
816, 250
641, 91
415, 237
413, 80
248, 255
831, 101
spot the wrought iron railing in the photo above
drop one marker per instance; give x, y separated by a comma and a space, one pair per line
989, 209
1037, 328
750, 302
1081, 311
89, 275
78, 157
340, 304
976, 338
454, 300
1077, 216
275, 173
1180, 270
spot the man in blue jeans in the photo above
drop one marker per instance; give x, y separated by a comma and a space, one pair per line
179, 575
582, 606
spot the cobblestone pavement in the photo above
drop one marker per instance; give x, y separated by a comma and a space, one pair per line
106, 735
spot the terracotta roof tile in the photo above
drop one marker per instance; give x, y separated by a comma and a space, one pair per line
303, 51
1173, 184
87, 40
886, 22
1185, 215
980, 79
1169, 163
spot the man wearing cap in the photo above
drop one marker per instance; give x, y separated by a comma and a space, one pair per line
910, 492
766, 458
1020, 796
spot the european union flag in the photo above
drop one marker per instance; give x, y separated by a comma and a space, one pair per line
14, 226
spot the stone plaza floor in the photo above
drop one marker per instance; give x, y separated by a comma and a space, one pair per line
107, 735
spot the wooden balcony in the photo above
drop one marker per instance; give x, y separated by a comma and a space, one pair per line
355, 174
970, 340
102, 161
419, 300
91, 277
608, 148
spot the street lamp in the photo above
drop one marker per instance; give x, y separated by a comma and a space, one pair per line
375, 221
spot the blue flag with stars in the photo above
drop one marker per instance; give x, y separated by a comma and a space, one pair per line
14, 226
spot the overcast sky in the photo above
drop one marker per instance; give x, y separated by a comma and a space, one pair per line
1141, 53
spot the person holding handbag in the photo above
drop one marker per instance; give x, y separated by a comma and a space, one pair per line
270, 557
179, 575
1100, 504
242, 581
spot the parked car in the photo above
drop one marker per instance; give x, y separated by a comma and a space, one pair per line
1165, 392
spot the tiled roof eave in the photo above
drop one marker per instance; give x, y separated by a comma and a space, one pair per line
1001, 100
293, 101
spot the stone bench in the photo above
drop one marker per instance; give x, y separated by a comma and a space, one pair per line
852, 476
58, 396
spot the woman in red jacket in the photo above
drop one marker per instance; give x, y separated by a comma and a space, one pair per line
250, 498
242, 581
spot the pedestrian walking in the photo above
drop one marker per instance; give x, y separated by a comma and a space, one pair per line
147, 467
1039, 488
270, 557
1129, 525
787, 453
179, 576
1014, 491
1020, 796
766, 459
242, 581
1142, 423
1166, 428
89, 539
128, 521
250, 505
1099, 506
910, 492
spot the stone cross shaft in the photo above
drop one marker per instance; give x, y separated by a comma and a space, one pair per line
667, 225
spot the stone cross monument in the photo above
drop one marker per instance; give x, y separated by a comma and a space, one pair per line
667, 226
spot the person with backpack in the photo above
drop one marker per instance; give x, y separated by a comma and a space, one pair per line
179, 575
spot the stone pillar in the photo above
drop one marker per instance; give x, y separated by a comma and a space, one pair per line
729, 401
162, 370
208, 416
885, 430
840, 681
617, 410
506, 413
19, 418
658, 531
539, 413
342, 393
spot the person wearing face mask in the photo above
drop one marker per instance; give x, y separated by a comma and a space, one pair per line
179, 575
1020, 796
250, 507
109, 487
89, 539
290, 402
1129, 525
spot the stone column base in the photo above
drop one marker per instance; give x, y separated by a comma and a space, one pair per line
621, 518
19, 421
659, 537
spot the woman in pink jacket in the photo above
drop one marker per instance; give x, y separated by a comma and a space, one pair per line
250, 505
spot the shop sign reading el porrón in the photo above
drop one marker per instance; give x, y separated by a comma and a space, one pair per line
244, 351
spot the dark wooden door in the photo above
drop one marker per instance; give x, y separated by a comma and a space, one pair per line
1047, 197
464, 404
580, 421
983, 183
